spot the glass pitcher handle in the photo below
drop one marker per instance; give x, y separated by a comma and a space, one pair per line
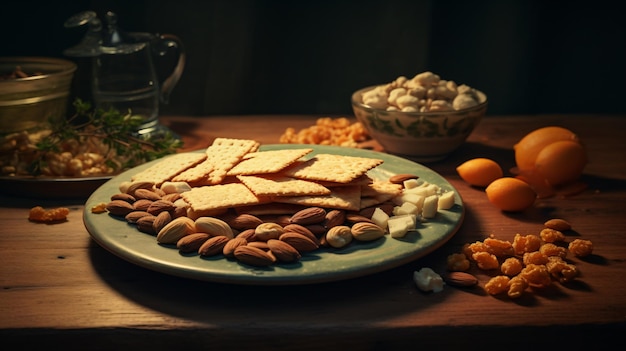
167, 42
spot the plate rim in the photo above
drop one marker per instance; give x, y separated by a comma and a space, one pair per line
247, 275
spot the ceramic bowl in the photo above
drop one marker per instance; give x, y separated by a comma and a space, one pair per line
423, 136
40, 96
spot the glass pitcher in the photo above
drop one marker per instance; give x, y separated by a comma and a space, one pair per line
124, 74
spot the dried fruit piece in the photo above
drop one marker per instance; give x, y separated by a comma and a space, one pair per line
39, 214
479, 171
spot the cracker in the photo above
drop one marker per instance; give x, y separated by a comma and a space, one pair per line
214, 197
362, 180
377, 192
222, 155
340, 197
169, 167
263, 162
333, 168
276, 185
274, 208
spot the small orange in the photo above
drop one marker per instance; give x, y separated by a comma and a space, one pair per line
561, 162
479, 171
511, 194
527, 149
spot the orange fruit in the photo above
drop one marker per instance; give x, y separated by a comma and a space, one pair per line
479, 171
510, 194
561, 162
527, 149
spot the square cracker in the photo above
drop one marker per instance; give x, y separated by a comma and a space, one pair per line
264, 162
340, 197
332, 168
209, 198
169, 167
276, 185
221, 156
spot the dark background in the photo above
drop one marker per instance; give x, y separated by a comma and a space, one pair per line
292, 57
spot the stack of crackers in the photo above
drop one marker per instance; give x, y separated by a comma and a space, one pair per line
234, 174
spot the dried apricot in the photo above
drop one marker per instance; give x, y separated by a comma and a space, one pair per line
511, 194
479, 171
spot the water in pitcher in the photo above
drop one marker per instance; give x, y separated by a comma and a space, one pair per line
141, 101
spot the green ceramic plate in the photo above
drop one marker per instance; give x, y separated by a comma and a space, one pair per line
323, 265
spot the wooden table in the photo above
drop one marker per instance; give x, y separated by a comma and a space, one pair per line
60, 288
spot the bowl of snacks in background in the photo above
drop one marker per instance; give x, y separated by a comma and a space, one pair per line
33, 90
424, 117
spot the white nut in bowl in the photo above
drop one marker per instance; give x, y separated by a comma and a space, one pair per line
429, 122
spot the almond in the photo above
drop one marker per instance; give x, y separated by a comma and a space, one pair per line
213, 245
229, 248
356, 218
214, 226
123, 196
142, 204
159, 206
299, 242
146, 194
260, 244
161, 220
134, 216
283, 251
253, 256
401, 178
297, 228
132, 187
171, 197
119, 208
309, 215
176, 229
145, 224
247, 234
192, 242
461, 279
558, 224
365, 231
244, 221
334, 218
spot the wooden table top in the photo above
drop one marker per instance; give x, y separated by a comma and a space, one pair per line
61, 288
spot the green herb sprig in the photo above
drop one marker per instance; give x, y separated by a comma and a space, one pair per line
116, 130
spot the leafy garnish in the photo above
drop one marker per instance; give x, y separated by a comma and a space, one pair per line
118, 131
